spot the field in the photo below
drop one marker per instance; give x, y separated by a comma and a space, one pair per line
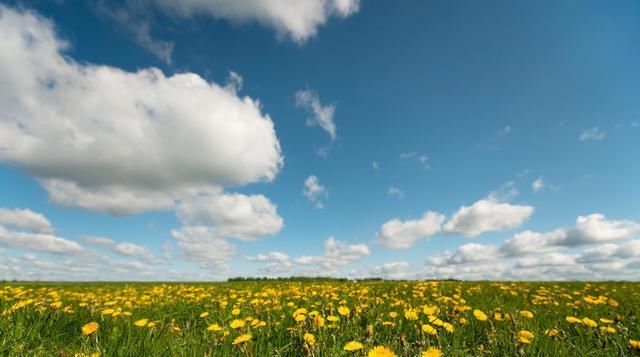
320, 318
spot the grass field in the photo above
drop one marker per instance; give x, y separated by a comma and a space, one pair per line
320, 318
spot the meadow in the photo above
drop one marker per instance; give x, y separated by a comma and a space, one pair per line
320, 318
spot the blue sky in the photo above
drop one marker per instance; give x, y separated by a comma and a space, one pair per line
267, 129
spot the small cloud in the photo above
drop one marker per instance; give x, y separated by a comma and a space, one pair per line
313, 190
635, 124
538, 184
421, 158
395, 192
593, 134
322, 114
504, 131
375, 166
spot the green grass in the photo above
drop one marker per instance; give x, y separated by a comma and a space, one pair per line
41, 329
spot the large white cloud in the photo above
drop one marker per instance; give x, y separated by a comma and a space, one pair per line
121, 142
298, 19
397, 234
487, 215
231, 216
25, 219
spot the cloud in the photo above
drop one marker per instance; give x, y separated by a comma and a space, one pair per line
593, 134
322, 115
25, 219
466, 253
199, 246
375, 166
421, 158
99, 241
487, 215
538, 184
313, 190
134, 250
108, 140
298, 20
395, 192
32, 230
392, 270
397, 234
337, 254
269, 257
504, 131
135, 19
235, 215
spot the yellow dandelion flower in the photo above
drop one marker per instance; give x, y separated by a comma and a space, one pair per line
587, 321
214, 328
608, 329
479, 315
634, 344
393, 314
235, 324
309, 339
344, 311
353, 346
235, 312
552, 332
141, 322
606, 321
525, 336
411, 314
448, 327
242, 339
90, 328
574, 320
318, 321
526, 314
204, 315
432, 352
428, 329
333, 318
380, 351
151, 324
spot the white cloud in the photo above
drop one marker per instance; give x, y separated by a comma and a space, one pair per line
297, 19
392, 270
39, 242
487, 215
550, 259
313, 190
504, 131
322, 114
397, 234
235, 215
99, 241
529, 242
395, 192
202, 248
421, 158
269, 257
337, 254
595, 228
538, 184
121, 142
593, 134
466, 253
134, 250
25, 219
375, 165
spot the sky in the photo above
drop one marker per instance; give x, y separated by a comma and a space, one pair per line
201, 140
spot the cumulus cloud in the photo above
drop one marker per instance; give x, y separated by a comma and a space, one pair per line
298, 20
33, 231
392, 270
236, 216
199, 246
25, 219
269, 257
593, 134
397, 234
538, 184
120, 142
487, 215
314, 191
466, 253
322, 114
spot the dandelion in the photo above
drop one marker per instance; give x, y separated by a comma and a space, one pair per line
574, 320
214, 328
141, 322
608, 329
411, 314
606, 321
587, 321
428, 329
552, 332
479, 315
90, 328
235, 312
318, 321
204, 315
236, 324
380, 351
634, 344
353, 346
309, 339
344, 311
432, 352
526, 314
525, 336
448, 327
242, 339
